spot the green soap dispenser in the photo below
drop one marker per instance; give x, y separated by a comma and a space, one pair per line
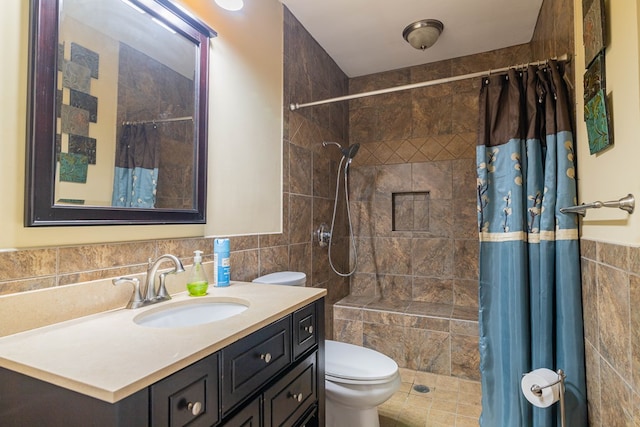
197, 283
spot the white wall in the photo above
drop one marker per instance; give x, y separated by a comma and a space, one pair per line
614, 172
245, 149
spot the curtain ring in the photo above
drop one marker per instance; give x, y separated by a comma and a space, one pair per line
486, 81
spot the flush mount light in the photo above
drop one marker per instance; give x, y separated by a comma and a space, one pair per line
231, 5
423, 34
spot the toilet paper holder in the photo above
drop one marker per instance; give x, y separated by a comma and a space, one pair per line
537, 390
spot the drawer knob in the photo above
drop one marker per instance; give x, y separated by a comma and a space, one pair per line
297, 397
194, 408
266, 357
309, 329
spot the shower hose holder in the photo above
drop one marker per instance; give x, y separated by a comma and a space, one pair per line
323, 235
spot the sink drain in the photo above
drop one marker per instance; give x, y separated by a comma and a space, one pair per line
421, 388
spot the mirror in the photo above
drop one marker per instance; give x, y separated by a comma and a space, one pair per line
118, 113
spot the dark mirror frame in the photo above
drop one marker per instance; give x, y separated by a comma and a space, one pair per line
40, 209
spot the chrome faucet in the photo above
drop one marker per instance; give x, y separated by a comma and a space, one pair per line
149, 290
151, 295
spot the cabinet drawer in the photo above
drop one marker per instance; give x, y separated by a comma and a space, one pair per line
189, 396
252, 361
287, 401
249, 416
305, 329
310, 419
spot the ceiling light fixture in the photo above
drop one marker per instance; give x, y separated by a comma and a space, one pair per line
423, 34
232, 5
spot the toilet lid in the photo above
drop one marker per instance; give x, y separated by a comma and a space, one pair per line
352, 362
294, 278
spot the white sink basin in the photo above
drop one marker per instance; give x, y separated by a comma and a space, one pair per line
191, 313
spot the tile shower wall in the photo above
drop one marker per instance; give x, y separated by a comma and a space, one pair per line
414, 294
309, 171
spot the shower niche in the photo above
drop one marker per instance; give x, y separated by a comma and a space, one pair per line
410, 211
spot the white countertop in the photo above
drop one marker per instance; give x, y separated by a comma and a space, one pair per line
109, 357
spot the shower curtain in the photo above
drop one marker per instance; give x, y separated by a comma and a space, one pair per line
136, 172
530, 290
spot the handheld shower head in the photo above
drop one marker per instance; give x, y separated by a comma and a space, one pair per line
351, 151
348, 153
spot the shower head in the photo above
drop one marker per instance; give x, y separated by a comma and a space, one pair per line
348, 153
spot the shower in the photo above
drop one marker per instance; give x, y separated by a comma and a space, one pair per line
325, 237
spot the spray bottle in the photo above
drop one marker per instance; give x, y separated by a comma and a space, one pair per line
197, 283
221, 262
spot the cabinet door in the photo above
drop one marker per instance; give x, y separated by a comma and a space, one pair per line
189, 396
287, 402
27, 401
254, 360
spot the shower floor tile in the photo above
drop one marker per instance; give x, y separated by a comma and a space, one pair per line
429, 400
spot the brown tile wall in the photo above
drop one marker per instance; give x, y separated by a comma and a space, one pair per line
414, 294
160, 97
39, 268
610, 300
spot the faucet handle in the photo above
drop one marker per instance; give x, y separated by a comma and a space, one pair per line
162, 294
136, 300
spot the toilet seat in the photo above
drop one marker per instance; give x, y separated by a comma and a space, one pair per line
352, 364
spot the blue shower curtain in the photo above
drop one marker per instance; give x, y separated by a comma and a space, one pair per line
136, 171
530, 290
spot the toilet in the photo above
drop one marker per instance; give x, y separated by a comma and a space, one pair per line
357, 379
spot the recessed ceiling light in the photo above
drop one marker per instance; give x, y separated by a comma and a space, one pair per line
231, 5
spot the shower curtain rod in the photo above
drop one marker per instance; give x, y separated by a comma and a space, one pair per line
296, 106
144, 122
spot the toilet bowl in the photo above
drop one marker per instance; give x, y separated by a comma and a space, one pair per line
357, 379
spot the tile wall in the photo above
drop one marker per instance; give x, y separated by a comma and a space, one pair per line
414, 294
610, 298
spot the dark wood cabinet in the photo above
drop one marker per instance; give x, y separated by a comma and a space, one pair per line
189, 396
272, 377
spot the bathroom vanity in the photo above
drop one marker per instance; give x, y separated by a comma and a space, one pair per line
263, 367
